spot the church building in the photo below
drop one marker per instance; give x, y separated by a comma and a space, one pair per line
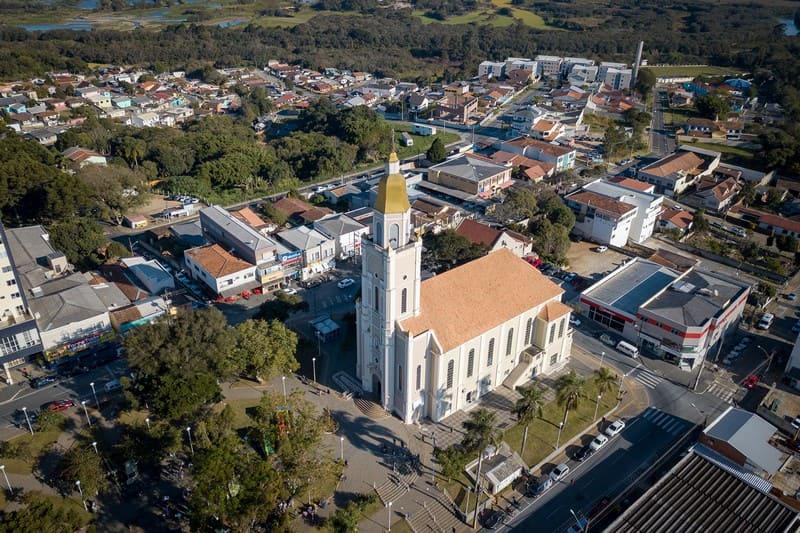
429, 349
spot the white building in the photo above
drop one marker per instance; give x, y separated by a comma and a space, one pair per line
429, 349
648, 206
492, 69
601, 219
319, 251
618, 79
151, 274
144, 120
605, 66
549, 66
344, 231
224, 274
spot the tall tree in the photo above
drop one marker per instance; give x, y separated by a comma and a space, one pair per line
481, 429
604, 378
81, 463
528, 407
437, 152
570, 389
79, 239
264, 349
39, 513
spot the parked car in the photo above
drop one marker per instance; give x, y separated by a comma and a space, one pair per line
574, 321
766, 321
751, 381
534, 489
615, 428
290, 290
796, 327
559, 472
38, 383
491, 518
60, 405
598, 442
346, 282
796, 423
584, 453
601, 249
792, 296
605, 338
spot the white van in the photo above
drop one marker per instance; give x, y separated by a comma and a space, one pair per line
628, 349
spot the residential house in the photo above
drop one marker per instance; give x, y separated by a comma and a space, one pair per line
457, 107
81, 157
716, 195
532, 169
122, 102
417, 102
345, 232
675, 172
495, 238
769, 223
144, 120
319, 251
678, 219
430, 215
561, 157
251, 218
472, 174
546, 130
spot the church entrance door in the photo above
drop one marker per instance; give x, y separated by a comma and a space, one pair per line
376, 388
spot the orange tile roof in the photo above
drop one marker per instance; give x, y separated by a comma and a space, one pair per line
292, 206
554, 310
630, 183
249, 217
467, 301
478, 233
683, 161
217, 261
599, 201
681, 219
544, 125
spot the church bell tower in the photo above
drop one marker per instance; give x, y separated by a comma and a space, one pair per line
390, 291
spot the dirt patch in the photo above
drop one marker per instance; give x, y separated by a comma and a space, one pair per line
155, 204
584, 260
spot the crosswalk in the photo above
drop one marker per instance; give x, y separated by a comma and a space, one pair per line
336, 300
646, 378
722, 392
668, 423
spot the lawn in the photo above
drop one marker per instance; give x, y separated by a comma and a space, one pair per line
422, 143
693, 71
677, 115
491, 17
543, 432
26, 449
733, 151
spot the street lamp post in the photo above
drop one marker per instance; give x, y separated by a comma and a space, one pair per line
597, 406
86, 412
28, 420
283, 381
94, 393
560, 427
147, 421
341, 445
602, 356
94, 445
3, 468
189, 433
80, 490
389, 506
314, 368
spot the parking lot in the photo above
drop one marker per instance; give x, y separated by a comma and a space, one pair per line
586, 261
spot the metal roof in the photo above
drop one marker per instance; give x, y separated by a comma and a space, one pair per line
698, 495
749, 434
630, 286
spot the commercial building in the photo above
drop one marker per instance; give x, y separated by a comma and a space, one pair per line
681, 316
223, 273
600, 218
675, 172
648, 205
318, 250
471, 174
345, 232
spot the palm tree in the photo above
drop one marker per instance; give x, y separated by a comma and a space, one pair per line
604, 379
569, 391
481, 430
528, 408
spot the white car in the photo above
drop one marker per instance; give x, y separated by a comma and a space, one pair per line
559, 472
615, 428
574, 321
346, 282
601, 249
290, 290
598, 442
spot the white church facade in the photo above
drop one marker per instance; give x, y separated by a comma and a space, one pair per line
428, 349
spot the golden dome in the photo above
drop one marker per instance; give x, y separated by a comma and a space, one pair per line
392, 195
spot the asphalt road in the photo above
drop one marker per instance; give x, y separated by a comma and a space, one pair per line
661, 143
673, 412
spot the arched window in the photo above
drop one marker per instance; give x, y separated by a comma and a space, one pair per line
403, 300
376, 298
394, 235
400, 377
419, 376
450, 368
470, 362
490, 356
528, 331
378, 234
510, 342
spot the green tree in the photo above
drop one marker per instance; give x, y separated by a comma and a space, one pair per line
570, 389
700, 222
767, 289
519, 203
276, 216
645, 81
281, 306
528, 407
452, 460
81, 462
39, 513
448, 249
346, 520
551, 241
481, 430
712, 106
79, 239
437, 152
264, 349
604, 378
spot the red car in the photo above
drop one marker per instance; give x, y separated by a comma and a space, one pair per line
60, 405
751, 381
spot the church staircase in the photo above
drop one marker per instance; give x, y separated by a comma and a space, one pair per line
371, 409
435, 517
